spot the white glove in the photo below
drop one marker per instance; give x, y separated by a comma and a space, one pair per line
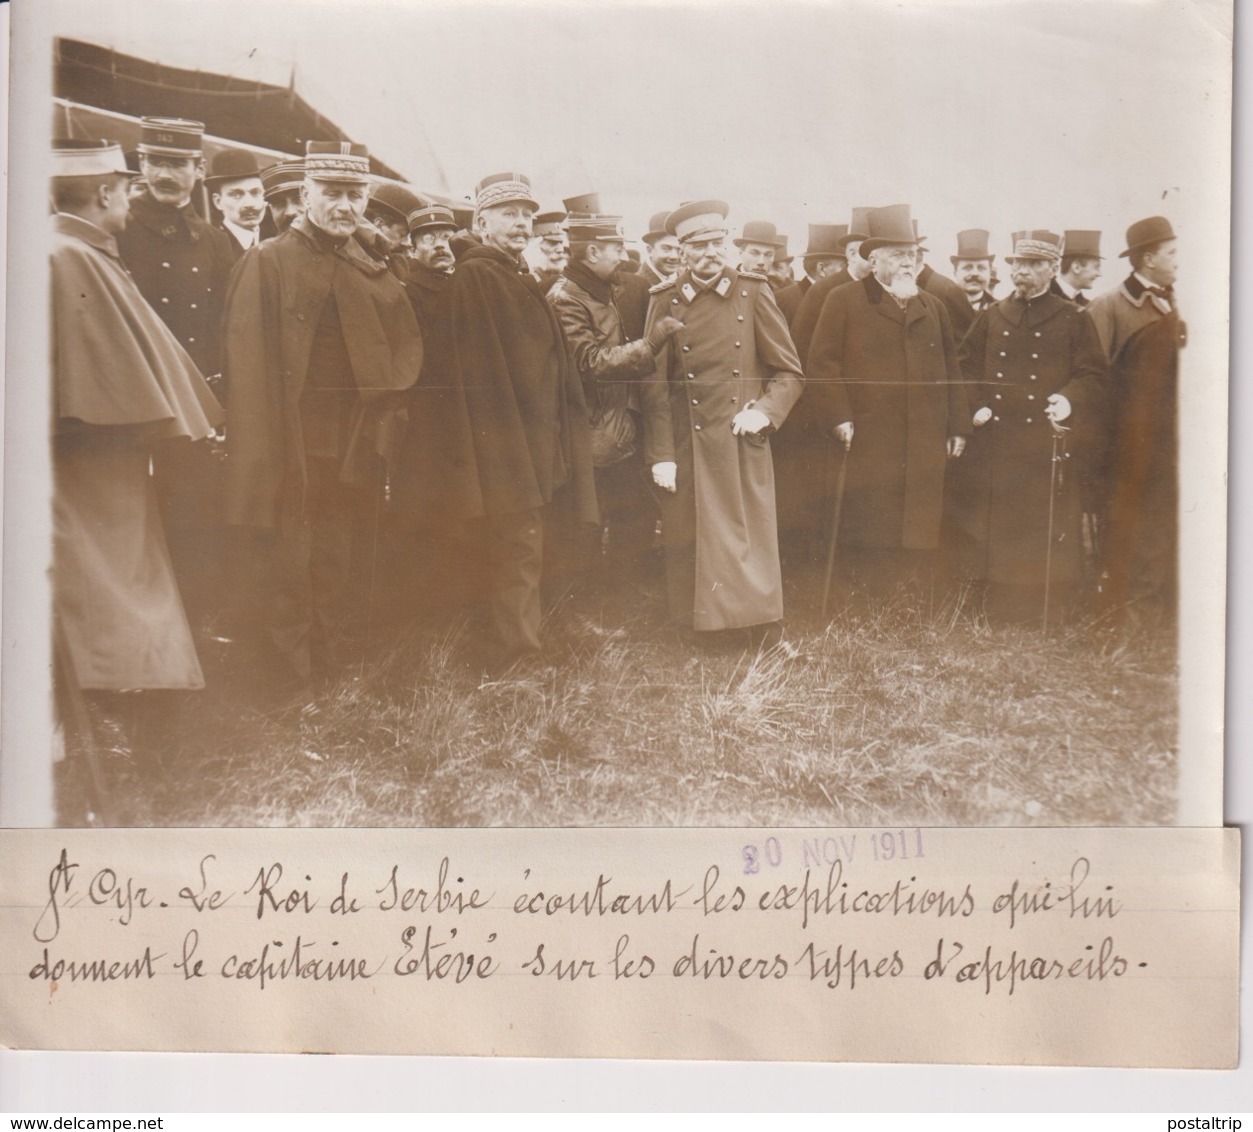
981, 417
749, 420
844, 434
956, 446
1058, 408
665, 475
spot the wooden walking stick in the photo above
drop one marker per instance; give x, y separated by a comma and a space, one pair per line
838, 507
1055, 481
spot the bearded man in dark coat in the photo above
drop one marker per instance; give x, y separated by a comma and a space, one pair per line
883, 374
1142, 334
529, 465
1037, 373
320, 344
723, 383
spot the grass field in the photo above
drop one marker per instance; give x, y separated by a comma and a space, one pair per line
890, 716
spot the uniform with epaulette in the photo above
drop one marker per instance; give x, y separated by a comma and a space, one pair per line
181, 265
732, 354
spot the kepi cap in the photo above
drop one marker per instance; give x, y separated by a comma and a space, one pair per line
77, 158
548, 223
432, 216
346, 162
171, 137
504, 188
1036, 243
283, 177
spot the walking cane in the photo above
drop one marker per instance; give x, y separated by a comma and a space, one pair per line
835, 527
1055, 479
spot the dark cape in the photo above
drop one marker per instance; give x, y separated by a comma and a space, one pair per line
497, 352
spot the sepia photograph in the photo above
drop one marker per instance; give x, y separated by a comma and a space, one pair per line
686, 414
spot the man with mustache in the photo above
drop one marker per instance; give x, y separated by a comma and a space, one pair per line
972, 267
886, 389
587, 300
516, 464
235, 187
181, 264
552, 248
823, 257
724, 381
1036, 371
321, 342
283, 183
431, 261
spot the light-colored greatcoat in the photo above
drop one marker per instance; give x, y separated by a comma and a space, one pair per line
719, 531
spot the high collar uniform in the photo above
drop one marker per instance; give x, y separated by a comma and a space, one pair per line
719, 528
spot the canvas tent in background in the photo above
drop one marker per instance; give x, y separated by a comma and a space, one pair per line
101, 93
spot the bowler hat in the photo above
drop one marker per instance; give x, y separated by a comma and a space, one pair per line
888, 226
171, 137
232, 165
758, 232
656, 228
698, 218
780, 256
972, 244
1143, 233
504, 188
72, 157
826, 241
346, 162
396, 201
1084, 243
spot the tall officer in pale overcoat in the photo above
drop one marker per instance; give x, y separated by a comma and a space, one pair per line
1037, 371
722, 383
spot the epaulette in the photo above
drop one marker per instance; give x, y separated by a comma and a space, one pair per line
657, 288
753, 275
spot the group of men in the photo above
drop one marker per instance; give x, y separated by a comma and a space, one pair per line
395, 374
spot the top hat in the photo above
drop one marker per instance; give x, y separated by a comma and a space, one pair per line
1036, 243
585, 204
859, 226
656, 228
696, 219
337, 161
548, 223
171, 137
972, 244
504, 188
232, 165
758, 232
780, 255
282, 177
430, 217
1082, 243
1154, 230
826, 241
74, 158
396, 201
887, 226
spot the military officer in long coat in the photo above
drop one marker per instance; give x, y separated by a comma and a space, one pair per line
723, 382
1037, 370
883, 375
181, 264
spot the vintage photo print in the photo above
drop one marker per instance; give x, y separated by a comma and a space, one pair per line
432, 414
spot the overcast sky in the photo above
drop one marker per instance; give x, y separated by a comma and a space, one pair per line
999, 115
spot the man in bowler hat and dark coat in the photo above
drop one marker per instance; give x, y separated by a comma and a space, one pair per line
823, 256
1142, 334
665, 256
883, 374
723, 383
238, 194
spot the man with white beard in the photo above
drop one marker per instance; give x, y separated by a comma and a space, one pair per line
883, 376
